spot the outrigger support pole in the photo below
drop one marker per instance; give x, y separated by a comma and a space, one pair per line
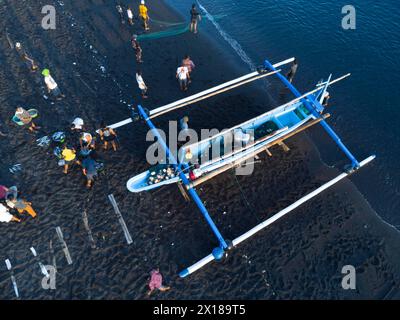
219, 251
206, 260
312, 109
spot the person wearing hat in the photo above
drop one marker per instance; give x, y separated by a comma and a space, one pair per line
326, 99
30, 62
52, 86
143, 14
77, 124
24, 116
138, 49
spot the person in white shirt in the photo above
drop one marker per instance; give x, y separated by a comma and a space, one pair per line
142, 86
77, 124
5, 215
182, 74
130, 16
52, 86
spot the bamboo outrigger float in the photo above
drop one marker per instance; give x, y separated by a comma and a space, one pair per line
270, 128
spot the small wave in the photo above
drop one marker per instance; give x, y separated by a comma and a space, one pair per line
232, 42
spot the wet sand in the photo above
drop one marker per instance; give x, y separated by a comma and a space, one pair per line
301, 256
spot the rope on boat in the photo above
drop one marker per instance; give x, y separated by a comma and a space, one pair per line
248, 204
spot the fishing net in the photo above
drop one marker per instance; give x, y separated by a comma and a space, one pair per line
165, 33
174, 29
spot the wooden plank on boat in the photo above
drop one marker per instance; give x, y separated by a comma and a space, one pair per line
268, 152
183, 192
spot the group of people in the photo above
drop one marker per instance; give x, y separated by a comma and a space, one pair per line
10, 201
83, 151
143, 15
51, 85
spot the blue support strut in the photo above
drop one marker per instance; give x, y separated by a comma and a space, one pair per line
310, 108
185, 181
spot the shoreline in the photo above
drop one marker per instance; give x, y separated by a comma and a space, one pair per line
117, 271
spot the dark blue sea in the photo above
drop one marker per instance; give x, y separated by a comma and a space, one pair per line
365, 108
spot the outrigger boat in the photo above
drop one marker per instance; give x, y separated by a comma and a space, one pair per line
268, 129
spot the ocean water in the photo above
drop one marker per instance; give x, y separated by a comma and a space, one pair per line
365, 108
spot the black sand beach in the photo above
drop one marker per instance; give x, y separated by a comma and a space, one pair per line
299, 257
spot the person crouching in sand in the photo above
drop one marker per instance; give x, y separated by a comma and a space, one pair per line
23, 116
21, 205
156, 282
6, 216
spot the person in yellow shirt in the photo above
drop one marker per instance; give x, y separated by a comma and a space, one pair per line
144, 15
69, 156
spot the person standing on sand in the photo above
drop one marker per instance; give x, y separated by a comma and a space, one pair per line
188, 63
108, 135
130, 16
31, 63
143, 14
52, 86
293, 70
195, 17
141, 84
69, 157
121, 13
5, 215
156, 282
325, 101
89, 171
138, 49
182, 74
